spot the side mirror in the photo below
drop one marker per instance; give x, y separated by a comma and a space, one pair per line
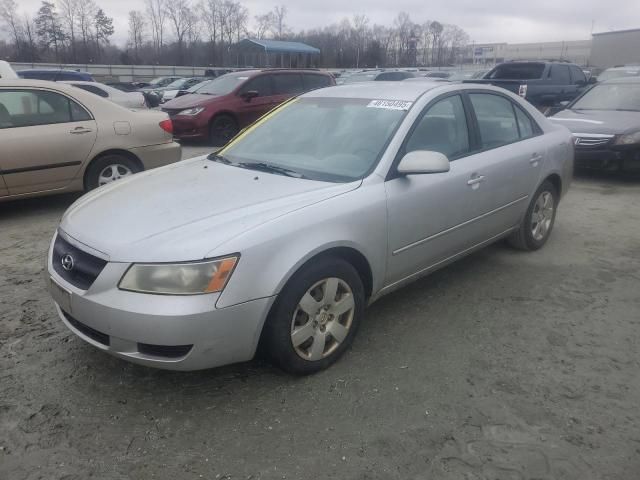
423, 161
248, 95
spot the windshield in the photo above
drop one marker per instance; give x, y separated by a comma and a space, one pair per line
517, 71
223, 85
197, 86
609, 74
327, 139
613, 96
177, 84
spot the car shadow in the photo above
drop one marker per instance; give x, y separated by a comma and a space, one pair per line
609, 176
37, 205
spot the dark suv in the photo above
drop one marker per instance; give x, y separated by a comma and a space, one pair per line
218, 110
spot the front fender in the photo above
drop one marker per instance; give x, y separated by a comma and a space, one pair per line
272, 253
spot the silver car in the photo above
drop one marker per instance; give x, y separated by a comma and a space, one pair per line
321, 207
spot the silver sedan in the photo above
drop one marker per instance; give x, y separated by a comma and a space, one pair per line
284, 236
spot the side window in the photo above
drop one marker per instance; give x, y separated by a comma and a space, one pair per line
92, 89
287, 83
525, 124
560, 74
443, 128
260, 84
25, 108
496, 120
313, 82
579, 78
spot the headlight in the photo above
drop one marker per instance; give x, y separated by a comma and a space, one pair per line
189, 278
191, 111
629, 138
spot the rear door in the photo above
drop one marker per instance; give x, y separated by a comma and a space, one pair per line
250, 109
45, 141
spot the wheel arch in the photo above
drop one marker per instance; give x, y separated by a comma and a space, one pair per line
111, 151
556, 181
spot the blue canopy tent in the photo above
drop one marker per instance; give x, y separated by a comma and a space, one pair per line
252, 52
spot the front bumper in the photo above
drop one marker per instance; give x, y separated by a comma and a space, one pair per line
607, 158
163, 331
189, 127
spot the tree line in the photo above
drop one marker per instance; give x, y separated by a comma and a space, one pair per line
203, 32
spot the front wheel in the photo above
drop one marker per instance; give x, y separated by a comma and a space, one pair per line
222, 129
538, 222
316, 317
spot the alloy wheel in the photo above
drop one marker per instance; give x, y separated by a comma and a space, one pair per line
542, 215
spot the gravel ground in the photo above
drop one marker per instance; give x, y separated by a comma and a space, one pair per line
504, 366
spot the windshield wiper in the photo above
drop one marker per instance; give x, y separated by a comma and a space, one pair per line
216, 157
269, 168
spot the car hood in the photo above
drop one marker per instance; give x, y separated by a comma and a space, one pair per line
192, 100
183, 211
598, 121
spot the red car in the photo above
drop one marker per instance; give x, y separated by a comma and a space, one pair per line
219, 109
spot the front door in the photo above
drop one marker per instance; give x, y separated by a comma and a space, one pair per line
250, 109
45, 142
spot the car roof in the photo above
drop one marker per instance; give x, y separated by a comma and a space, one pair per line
24, 82
407, 91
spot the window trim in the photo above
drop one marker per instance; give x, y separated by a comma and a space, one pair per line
392, 173
69, 98
537, 130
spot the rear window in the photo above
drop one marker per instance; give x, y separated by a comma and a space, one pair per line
560, 74
517, 71
313, 82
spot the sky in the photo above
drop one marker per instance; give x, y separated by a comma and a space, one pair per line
485, 21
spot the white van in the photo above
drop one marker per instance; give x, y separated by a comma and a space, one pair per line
6, 71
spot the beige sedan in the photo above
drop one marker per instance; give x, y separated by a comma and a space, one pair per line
57, 138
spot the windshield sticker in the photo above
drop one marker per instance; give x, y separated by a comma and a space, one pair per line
390, 104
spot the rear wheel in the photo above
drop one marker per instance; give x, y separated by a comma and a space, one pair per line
538, 222
222, 129
108, 169
316, 317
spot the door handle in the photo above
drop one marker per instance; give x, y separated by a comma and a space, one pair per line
80, 130
535, 159
475, 180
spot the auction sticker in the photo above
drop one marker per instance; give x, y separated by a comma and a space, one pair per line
390, 104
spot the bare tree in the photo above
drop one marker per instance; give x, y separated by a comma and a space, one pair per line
9, 17
69, 10
263, 24
360, 23
278, 16
29, 29
84, 18
177, 12
136, 32
157, 17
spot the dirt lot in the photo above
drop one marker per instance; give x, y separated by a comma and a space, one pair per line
504, 366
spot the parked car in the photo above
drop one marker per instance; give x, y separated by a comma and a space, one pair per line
128, 86
605, 122
6, 71
378, 76
617, 72
221, 108
55, 75
182, 84
171, 94
153, 98
124, 99
285, 235
59, 138
544, 84
461, 75
436, 74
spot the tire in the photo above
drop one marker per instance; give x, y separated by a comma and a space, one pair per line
120, 166
222, 129
526, 238
288, 319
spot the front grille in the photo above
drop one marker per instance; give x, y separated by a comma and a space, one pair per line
92, 333
168, 351
591, 141
80, 268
